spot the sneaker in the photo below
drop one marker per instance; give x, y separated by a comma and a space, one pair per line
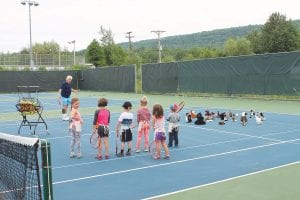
106, 156
72, 154
99, 157
64, 117
146, 150
167, 157
128, 153
137, 151
79, 155
156, 157
120, 154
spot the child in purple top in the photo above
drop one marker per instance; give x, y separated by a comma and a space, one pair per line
158, 124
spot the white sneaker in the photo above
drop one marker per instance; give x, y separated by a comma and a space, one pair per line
66, 118
79, 155
145, 150
137, 151
72, 154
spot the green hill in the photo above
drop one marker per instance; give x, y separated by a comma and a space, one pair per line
214, 38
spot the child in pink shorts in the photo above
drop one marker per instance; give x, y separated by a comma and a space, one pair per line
143, 119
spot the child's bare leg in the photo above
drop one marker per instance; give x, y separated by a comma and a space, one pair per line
122, 146
99, 147
165, 147
129, 145
106, 145
157, 144
129, 148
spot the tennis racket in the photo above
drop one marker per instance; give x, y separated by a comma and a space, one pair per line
180, 106
94, 140
117, 138
152, 149
59, 101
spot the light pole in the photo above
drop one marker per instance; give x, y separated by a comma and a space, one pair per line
74, 56
30, 3
159, 45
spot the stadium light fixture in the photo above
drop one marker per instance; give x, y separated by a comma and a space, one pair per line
74, 55
30, 3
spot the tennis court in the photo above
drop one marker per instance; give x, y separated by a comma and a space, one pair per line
212, 161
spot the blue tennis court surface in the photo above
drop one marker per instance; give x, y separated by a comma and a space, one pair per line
206, 154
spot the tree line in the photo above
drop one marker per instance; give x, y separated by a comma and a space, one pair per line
278, 34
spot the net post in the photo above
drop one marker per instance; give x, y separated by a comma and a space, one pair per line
46, 170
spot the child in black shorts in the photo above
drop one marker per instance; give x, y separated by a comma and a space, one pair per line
125, 124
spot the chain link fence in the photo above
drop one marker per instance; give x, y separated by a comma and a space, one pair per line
41, 60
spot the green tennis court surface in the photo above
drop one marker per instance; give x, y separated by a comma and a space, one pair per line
273, 184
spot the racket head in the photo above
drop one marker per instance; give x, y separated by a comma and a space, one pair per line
152, 149
180, 106
94, 140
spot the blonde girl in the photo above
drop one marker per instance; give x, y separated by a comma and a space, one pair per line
143, 120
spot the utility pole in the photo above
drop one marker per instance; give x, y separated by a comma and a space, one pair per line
129, 39
159, 45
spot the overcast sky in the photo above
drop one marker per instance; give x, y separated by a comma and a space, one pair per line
66, 20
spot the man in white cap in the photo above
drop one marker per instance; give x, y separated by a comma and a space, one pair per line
64, 96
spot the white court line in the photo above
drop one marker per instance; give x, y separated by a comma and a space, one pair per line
171, 163
222, 181
233, 133
147, 154
237, 109
9, 96
171, 150
53, 119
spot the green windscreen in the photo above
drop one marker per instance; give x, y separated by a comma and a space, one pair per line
265, 74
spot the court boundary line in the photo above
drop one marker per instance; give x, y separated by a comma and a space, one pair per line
171, 163
222, 181
238, 109
171, 150
147, 155
239, 134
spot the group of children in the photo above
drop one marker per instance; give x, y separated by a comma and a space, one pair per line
124, 127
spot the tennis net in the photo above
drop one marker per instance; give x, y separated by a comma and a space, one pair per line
19, 168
